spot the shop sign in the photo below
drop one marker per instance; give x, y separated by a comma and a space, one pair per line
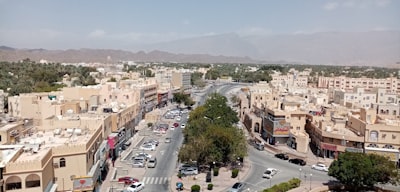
328, 147
281, 131
353, 150
83, 184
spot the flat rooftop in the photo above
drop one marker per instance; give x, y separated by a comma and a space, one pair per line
39, 143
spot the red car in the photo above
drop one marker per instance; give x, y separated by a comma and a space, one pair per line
127, 180
176, 124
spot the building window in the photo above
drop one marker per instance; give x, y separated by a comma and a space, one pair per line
373, 136
13, 182
62, 162
32, 180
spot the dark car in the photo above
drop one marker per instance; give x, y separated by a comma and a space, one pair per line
297, 161
282, 156
127, 180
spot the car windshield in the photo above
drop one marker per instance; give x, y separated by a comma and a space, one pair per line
236, 185
268, 172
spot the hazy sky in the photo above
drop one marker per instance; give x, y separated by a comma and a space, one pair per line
123, 24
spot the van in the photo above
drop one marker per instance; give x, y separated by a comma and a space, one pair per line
260, 146
152, 162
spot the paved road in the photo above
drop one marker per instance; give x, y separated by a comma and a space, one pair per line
262, 160
158, 179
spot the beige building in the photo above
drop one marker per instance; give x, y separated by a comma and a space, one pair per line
276, 120
359, 97
330, 135
382, 133
293, 79
182, 80
390, 84
2, 104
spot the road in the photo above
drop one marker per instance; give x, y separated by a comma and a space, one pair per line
158, 179
261, 160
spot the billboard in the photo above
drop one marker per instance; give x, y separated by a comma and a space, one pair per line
83, 184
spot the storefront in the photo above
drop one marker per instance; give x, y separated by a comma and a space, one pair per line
329, 150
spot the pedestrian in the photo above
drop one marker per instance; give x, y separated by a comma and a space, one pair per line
113, 162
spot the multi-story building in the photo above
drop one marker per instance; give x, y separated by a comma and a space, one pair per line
391, 84
182, 80
2, 96
293, 79
358, 97
330, 135
285, 125
382, 133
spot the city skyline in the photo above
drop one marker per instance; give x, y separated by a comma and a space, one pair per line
126, 25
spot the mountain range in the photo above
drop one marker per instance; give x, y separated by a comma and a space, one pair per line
374, 48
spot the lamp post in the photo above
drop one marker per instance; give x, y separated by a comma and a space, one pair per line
300, 173
310, 180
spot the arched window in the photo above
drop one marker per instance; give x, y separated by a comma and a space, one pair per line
62, 162
13, 182
257, 128
373, 136
32, 180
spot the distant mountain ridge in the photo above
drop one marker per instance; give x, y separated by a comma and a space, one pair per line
374, 48
110, 55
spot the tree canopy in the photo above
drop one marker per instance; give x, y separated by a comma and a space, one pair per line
210, 134
360, 170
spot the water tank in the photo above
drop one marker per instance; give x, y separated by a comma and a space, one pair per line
70, 131
328, 128
78, 131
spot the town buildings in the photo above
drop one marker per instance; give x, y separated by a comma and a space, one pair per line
349, 116
64, 140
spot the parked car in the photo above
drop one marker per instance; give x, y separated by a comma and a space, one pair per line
237, 187
297, 161
143, 154
178, 118
320, 167
127, 180
176, 124
148, 147
186, 165
183, 126
152, 163
152, 141
282, 156
190, 171
259, 146
138, 186
269, 172
137, 163
168, 140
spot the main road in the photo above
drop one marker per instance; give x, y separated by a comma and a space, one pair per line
157, 179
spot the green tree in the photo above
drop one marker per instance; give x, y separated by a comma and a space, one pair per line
358, 170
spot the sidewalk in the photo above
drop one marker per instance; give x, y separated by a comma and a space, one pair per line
222, 182
122, 168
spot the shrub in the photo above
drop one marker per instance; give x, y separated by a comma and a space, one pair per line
235, 173
210, 186
285, 186
216, 171
195, 188
180, 175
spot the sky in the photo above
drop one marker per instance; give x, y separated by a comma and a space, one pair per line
125, 24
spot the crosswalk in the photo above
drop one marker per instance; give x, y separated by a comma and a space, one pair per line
156, 180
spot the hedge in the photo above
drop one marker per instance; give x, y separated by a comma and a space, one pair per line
285, 186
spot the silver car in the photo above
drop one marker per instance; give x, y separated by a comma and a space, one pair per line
237, 187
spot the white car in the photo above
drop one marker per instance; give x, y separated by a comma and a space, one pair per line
269, 173
138, 186
190, 171
183, 126
148, 147
320, 167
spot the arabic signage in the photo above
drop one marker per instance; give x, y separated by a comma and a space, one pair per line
83, 184
328, 147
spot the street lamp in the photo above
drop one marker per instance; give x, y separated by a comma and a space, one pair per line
300, 173
310, 180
